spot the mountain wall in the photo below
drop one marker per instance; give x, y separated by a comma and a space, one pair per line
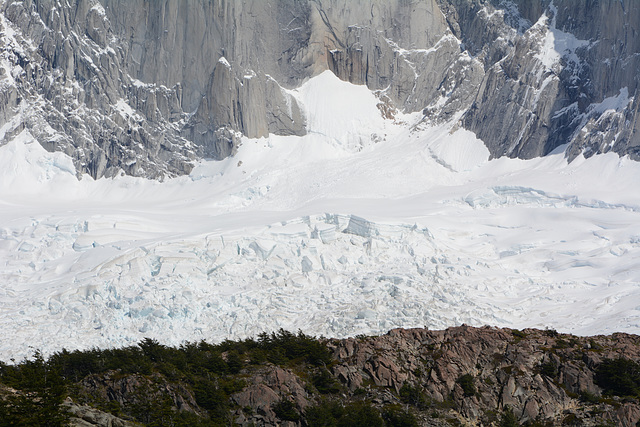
147, 87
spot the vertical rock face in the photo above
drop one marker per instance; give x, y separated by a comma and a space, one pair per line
145, 87
568, 76
64, 82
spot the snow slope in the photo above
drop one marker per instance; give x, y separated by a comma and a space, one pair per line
363, 225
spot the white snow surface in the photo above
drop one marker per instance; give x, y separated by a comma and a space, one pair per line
557, 44
417, 229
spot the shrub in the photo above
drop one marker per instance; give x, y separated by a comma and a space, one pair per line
210, 397
285, 346
549, 369
397, 417
325, 383
234, 362
466, 382
594, 346
286, 410
359, 392
152, 349
333, 414
361, 414
620, 377
325, 414
588, 397
412, 395
508, 418
518, 334
570, 420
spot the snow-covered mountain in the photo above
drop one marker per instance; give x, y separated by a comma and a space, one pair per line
147, 88
367, 173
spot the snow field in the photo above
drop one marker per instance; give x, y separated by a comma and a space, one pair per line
336, 233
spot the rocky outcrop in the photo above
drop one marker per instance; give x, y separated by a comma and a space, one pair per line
458, 376
145, 88
267, 388
86, 416
540, 375
139, 391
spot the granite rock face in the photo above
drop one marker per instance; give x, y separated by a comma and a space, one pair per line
63, 80
567, 75
542, 376
86, 416
146, 88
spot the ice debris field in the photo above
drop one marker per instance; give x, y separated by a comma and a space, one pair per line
363, 225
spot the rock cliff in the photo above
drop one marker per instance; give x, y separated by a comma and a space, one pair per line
145, 88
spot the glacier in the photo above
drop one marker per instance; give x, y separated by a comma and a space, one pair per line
368, 222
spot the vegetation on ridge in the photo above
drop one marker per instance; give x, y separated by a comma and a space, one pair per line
209, 371
303, 381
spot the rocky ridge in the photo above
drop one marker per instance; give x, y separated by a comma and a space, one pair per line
146, 88
458, 376
542, 376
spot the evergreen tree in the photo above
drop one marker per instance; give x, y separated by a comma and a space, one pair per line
41, 392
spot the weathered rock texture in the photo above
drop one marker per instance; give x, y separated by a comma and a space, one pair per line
541, 376
86, 416
507, 369
137, 390
146, 87
458, 376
